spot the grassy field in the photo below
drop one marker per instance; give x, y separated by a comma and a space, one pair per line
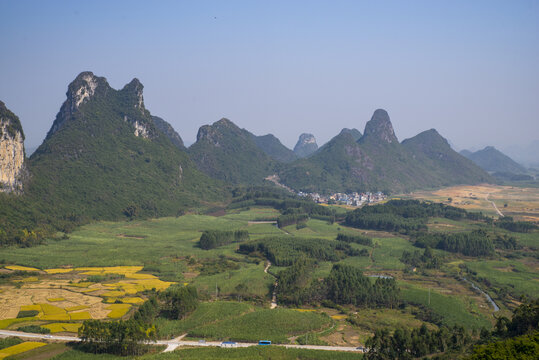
277, 325
454, 310
523, 279
210, 353
206, 313
167, 249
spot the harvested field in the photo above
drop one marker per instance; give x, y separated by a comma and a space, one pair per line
521, 203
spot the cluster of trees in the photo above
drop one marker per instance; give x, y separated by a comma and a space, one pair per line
344, 285
508, 223
347, 285
474, 243
383, 221
134, 336
404, 215
284, 251
525, 347
358, 239
290, 219
426, 260
406, 344
130, 337
506, 242
517, 338
296, 285
178, 301
210, 239
22, 237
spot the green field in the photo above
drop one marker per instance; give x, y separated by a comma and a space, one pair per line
168, 248
512, 273
454, 310
206, 313
277, 325
210, 353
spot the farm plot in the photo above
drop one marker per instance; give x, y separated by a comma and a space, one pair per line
62, 296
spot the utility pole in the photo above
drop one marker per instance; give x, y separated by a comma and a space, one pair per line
429, 296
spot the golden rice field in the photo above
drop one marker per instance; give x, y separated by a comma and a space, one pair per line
62, 299
20, 348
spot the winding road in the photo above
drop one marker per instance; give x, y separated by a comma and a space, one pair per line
274, 294
175, 343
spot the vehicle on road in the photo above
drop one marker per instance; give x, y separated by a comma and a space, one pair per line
229, 344
264, 342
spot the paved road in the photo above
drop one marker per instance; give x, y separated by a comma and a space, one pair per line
173, 344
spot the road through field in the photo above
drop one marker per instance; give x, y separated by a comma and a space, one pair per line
274, 294
174, 343
493, 204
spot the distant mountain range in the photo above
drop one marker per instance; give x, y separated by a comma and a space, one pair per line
493, 160
106, 156
377, 161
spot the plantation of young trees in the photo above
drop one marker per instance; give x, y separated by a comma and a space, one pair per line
474, 243
210, 239
283, 251
358, 239
406, 344
404, 215
347, 285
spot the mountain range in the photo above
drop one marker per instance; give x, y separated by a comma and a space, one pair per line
106, 156
492, 160
377, 161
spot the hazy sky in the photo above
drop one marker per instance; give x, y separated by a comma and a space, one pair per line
470, 69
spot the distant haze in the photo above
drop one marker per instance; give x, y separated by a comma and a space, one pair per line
467, 68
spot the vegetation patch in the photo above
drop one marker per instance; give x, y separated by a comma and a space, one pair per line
254, 326
118, 310
20, 348
62, 327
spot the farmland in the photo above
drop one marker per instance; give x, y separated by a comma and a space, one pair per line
521, 203
107, 269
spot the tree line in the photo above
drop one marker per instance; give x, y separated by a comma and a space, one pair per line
404, 215
284, 251
358, 239
135, 335
508, 223
474, 243
427, 259
210, 239
406, 344
345, 285
517, 338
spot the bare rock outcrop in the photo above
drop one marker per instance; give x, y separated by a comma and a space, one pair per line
11, 151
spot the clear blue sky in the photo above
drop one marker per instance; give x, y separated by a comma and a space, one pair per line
470, 69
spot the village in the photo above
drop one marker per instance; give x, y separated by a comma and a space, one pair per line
353, 199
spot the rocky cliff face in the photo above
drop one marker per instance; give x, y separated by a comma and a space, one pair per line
11, 151
379, 128
86, 87
306, 145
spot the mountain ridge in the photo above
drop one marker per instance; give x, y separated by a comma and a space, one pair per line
493, 160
